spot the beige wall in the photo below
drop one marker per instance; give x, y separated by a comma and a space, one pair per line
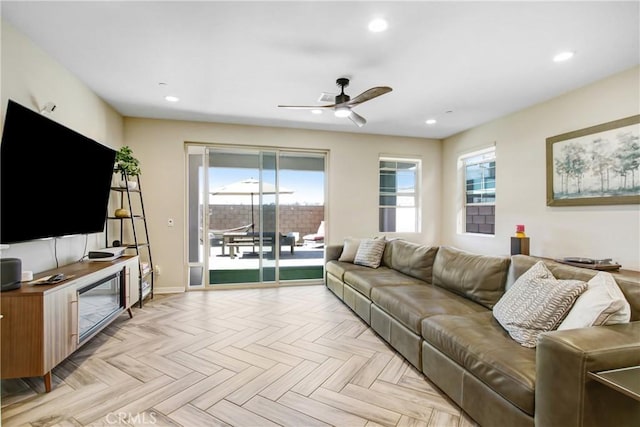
352, 179
32, 78
589, 231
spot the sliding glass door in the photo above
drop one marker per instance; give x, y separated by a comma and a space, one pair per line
249, 211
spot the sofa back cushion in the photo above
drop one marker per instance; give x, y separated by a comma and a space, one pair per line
481, 278
629, 282
410, 258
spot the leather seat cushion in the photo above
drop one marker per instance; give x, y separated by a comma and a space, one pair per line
338, 268
409, 304
365, 280
478, 343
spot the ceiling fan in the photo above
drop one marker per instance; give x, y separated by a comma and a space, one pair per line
343, 106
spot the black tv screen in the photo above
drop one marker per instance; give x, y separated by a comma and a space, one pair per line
53, 181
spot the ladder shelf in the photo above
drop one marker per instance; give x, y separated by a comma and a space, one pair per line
134, 228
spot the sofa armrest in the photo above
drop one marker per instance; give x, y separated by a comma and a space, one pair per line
332, 252
565, 395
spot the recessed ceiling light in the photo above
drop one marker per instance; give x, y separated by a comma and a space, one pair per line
563, 56
316, 111
431, 121
171, 98
378, 25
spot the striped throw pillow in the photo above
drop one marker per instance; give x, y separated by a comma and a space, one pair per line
370, 252
536, 303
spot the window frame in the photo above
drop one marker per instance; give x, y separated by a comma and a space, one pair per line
478, 157
416, 194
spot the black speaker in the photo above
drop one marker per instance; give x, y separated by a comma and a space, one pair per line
11, 273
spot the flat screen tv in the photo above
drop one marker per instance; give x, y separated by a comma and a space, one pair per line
53, 181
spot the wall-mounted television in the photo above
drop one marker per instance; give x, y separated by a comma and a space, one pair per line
53, 181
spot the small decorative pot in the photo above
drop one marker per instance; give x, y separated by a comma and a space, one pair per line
131, 185
122, 213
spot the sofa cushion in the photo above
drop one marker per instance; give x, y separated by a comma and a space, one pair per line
349, 249
369, 252
365, 279
409, 304
628, 281
603, 303
338, 268
480, 278
479, 344
536, 303
410, 258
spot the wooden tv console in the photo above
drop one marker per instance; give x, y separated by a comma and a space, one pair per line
39, 327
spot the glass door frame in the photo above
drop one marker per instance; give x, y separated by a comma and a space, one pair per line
266, 267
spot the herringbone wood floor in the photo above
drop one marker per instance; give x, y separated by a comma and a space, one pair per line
292, 356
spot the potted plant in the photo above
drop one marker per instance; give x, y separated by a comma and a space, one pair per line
127, 165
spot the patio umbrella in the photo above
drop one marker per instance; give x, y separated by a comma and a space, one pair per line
249, 187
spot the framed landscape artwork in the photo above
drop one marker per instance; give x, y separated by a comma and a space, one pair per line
598, 165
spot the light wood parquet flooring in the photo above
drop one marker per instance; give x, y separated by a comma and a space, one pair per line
290, 356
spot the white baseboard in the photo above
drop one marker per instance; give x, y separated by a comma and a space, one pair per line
168, 290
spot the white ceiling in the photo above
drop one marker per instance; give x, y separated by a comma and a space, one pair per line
234, 62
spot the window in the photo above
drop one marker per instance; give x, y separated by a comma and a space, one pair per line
479, 171
399, 191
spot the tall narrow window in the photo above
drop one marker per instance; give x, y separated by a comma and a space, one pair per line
480, 191
399, 207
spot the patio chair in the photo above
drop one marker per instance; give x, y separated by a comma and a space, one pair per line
317, 239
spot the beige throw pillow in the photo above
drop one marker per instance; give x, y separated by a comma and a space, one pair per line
603, 303
370, 252
349, 249
537, 302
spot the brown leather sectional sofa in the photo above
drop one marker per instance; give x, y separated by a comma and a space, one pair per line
434, 306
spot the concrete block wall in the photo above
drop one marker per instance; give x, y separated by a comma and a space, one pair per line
293, 218
481, 219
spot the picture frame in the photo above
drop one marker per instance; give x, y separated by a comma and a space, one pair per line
598, 165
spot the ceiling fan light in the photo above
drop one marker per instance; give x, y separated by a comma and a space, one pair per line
342, 112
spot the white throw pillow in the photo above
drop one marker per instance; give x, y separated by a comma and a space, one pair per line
537, 302
370, 252
349, 249
603, 303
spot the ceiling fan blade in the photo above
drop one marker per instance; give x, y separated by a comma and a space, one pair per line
368, 95
306, 107
357, 119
